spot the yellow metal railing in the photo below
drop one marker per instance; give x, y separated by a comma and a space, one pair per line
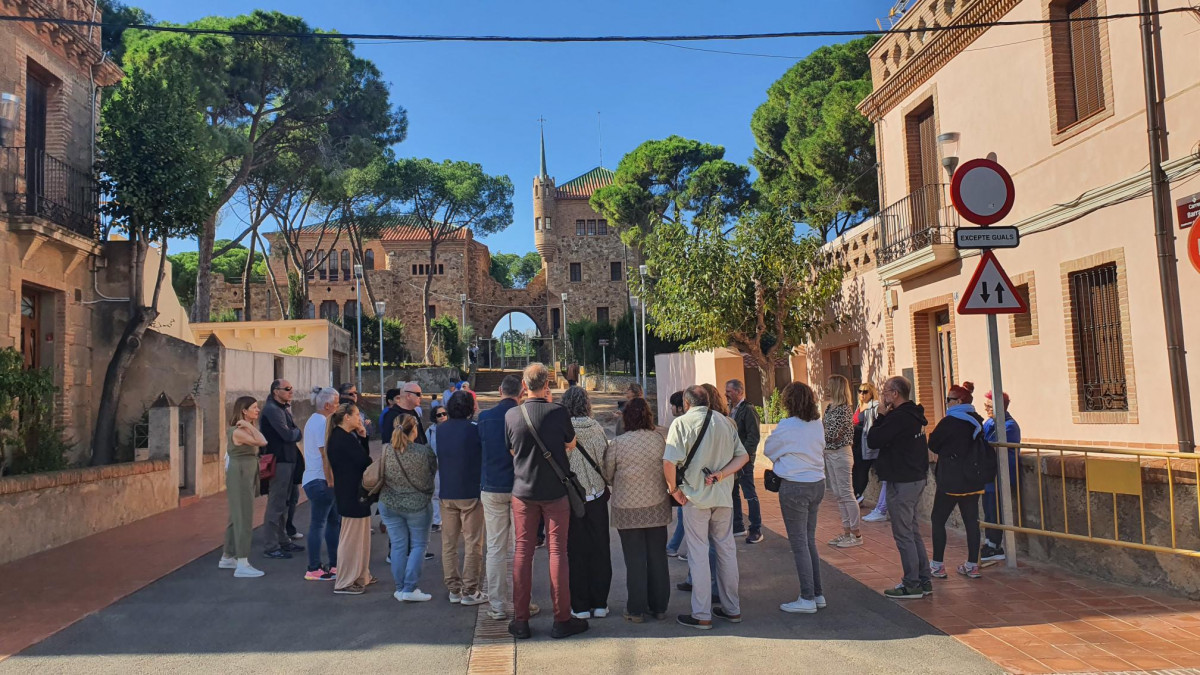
1115, 471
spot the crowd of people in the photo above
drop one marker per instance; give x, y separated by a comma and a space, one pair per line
532, 471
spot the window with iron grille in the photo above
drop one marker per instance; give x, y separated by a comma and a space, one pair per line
576, 272
1023, 322
602, 228
1077, 56
601, 315
591, 228
615, 271
1099, 339
580, 228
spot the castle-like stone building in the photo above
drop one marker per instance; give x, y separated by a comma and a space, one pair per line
582, 257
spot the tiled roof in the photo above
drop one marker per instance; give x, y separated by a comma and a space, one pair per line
392, 228
582, 187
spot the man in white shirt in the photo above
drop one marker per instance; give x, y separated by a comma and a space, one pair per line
324, 520
704, 488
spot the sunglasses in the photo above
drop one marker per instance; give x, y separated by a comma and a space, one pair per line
283, 389
439, 416
864, 391
414, 393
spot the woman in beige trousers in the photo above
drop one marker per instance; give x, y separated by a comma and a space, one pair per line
839, 459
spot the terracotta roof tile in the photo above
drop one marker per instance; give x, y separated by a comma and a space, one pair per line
393, 228
582, 187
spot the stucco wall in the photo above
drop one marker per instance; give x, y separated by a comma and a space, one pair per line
46, 510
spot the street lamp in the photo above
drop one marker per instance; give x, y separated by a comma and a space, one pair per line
358, 270
462, 330
642, 269
633, 305
380, 305
566, 336
948, 143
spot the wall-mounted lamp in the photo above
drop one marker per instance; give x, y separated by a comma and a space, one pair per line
10, 106
948, 143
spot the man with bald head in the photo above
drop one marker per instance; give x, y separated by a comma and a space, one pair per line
283, 437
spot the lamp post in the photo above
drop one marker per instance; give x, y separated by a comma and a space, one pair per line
633, 305
642, 269
948, 144
567, 354
358, 310
380, 305
462, 331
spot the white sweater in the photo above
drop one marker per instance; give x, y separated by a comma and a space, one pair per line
797, 449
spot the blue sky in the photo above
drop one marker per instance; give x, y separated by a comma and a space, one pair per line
481, 102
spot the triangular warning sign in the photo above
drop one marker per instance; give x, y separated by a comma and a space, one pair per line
991, 291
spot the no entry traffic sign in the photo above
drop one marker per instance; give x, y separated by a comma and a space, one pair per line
991, 291
982, 192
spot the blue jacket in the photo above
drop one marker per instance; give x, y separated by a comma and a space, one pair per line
458, 456
497, 460
1012, 434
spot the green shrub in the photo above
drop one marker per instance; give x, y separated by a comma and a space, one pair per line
773, 411
30, 441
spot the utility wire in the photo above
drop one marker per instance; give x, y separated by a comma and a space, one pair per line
588, 38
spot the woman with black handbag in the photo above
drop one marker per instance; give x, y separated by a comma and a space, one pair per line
588, 550
797, 450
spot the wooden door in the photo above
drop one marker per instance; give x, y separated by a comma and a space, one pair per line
945, 338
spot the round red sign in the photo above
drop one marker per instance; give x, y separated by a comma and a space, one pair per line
1193, 246
982, 192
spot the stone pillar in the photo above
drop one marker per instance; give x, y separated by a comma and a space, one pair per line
164, 435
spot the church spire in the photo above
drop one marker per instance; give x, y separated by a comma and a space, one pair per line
542, 132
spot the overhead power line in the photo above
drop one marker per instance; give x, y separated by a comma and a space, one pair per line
588, 38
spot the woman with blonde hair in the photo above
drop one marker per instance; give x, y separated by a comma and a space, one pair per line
349, 460
839, 459
241, 484
716, 400
864, 457
405, 507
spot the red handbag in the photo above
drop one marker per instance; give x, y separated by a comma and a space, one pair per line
266, 467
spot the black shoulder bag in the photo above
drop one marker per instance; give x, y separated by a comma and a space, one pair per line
568, 479
591, 462
680, 474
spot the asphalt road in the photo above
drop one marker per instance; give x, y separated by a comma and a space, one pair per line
201, 620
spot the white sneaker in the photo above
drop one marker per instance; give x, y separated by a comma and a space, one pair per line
497, 614
388, 558
227, 563
599, 613
455, 598
582, 615
837, 541
800, 606
415, 595
247, 571
298, 535
875, 517
477, 598
820, 600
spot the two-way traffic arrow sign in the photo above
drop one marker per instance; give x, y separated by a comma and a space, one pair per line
990, 290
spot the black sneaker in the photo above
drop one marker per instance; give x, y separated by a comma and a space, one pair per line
739, 530
572, 626
435, 528
429, 556
692, 622
927, 587
902, 592
519, 629
720, 613
291, 548
684, 586
991, 556
755, 537
541, 542
277, 554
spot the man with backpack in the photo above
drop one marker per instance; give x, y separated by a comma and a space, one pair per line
899, 433
965, 465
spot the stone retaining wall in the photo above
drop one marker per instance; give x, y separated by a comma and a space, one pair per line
41, 511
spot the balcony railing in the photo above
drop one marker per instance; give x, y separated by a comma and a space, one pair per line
922, 219
33, 183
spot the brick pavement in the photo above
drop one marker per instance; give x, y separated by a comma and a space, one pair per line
1035, 619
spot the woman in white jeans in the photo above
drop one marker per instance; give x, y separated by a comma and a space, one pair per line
839, 459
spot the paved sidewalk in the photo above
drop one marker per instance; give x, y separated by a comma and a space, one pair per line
1035, 619
48, 591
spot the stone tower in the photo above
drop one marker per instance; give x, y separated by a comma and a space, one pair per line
543, 209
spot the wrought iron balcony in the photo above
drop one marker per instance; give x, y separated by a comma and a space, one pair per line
33, 183
921, 223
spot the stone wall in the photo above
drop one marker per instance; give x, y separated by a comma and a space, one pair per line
594, 255
41, 511
264, 305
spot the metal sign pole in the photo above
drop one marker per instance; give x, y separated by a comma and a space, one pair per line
604, 364
1006, 502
